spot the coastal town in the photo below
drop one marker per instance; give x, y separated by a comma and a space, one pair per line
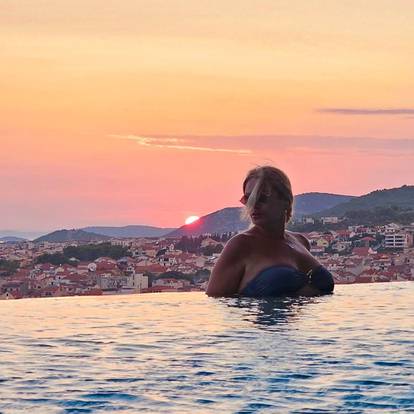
357, 254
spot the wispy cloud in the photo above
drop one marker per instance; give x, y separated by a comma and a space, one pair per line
268, 144
367, 111
177, 144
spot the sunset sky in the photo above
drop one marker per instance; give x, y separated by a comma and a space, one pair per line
149, 111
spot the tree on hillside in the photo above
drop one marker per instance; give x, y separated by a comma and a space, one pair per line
201, 275
8, 267
175, 275
210, 250
56, 259
91, 252
189, 244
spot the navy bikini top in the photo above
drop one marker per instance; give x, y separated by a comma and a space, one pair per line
278, 280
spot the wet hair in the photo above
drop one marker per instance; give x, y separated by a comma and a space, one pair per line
274, 178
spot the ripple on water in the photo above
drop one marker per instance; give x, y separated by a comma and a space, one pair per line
111, 395
126, 380
391, 363
183, 353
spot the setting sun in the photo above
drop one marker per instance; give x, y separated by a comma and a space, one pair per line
191, 219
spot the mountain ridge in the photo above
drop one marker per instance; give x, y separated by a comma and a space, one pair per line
132, 230
398, 196
60, 236
229, 219
12, 239
317, 199
309, 203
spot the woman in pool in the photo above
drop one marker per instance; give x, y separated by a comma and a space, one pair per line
267, 259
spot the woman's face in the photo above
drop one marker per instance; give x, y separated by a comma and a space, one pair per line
269, 206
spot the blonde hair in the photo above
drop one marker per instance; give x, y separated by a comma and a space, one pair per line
274, 178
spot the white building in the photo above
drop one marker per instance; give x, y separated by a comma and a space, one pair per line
330, 220
171, 282
136, 282
396, 240
107, 282
92, 267
391, 228
167, 260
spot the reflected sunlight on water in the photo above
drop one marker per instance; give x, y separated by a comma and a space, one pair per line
184, 352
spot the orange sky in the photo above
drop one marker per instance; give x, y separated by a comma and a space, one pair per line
146, 112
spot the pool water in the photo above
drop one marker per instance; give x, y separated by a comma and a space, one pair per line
350, 352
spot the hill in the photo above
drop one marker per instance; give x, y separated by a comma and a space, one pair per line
61, 236
221, 221
310, 203
26, 235
229, 219
11, 239
129, 231
401, 197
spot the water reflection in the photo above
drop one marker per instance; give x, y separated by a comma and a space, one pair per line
190, 353
270, 311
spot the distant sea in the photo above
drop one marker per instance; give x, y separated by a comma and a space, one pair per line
350, 352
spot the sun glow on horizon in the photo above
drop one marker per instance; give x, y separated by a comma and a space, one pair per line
191, 219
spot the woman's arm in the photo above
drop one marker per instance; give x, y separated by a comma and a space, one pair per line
323, 280
229, 269
320, 283
303, 240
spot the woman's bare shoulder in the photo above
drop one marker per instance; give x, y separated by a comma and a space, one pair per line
300, 238
239, 241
